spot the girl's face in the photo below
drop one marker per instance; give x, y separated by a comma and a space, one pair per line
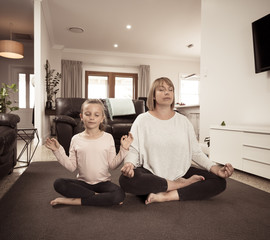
164, 94
92, 116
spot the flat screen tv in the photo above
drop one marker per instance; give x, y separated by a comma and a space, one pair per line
261, 43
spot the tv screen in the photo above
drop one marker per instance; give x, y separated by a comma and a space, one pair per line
261, 43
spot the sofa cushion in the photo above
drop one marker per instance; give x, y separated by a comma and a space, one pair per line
69, 106
120, 129
120, 107
65, 119
9, 119
79, 126
122, 119
6, 166
7, 139
73, 114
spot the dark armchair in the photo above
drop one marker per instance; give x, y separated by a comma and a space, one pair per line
8, 142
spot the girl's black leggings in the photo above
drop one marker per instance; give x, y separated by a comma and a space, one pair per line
100, 194
145, 182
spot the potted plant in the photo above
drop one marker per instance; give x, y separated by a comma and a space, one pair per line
52, 80
5, 102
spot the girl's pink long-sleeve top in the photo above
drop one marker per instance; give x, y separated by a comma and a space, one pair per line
91, 157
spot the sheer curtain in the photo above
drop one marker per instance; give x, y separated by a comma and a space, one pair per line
71, 82
144, 80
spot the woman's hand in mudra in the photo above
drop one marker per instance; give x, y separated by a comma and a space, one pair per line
224, 172
128, 170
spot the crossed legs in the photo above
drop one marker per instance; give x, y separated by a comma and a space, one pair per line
172, 194
77, 192
197, 184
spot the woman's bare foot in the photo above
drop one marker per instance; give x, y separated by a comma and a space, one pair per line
183, 182
66, 201
162, 197
56, 201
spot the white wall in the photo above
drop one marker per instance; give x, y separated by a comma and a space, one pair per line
230, 89
42, 49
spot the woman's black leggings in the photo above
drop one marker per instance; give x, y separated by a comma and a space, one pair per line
100, 194
145, 182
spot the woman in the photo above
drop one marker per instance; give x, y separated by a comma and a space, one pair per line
159, 161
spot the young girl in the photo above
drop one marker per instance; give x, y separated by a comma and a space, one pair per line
92, 152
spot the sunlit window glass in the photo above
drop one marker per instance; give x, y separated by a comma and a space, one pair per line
123, 87
189, 91
32, 92
97, 87
22, 90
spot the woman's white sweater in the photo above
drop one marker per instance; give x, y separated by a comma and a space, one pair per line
165, 147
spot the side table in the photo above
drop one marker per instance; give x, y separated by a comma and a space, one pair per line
27, 135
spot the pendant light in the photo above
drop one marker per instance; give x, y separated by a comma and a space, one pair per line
10, 48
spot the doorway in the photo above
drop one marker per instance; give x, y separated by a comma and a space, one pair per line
23, 77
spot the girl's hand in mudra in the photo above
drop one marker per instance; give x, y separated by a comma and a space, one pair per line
128, 170
52, 144
126, 141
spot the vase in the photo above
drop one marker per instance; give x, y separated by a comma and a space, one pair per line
49, 104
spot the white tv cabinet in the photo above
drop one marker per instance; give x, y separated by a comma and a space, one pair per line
246, 148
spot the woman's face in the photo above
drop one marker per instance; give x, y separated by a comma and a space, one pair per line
92, 116
164, 94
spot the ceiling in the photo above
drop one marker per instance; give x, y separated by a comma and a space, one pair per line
159, 27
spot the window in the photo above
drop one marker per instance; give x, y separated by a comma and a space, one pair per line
111, 85
97, 86
22, 92
189, 90
123, 87
26, 91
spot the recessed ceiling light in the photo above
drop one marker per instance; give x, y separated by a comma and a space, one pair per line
128, 26
76, 30
115, 45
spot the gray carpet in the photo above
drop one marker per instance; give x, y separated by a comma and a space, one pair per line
241, 212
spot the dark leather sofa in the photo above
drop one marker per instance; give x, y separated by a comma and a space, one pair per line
68, 123
8, 142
